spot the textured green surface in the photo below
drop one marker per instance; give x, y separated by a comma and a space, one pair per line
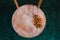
7, 8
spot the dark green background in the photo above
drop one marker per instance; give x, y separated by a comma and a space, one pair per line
51, 31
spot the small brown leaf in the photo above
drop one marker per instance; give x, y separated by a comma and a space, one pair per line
37, 21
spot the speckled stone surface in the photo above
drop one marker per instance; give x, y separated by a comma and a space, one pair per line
22, 21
